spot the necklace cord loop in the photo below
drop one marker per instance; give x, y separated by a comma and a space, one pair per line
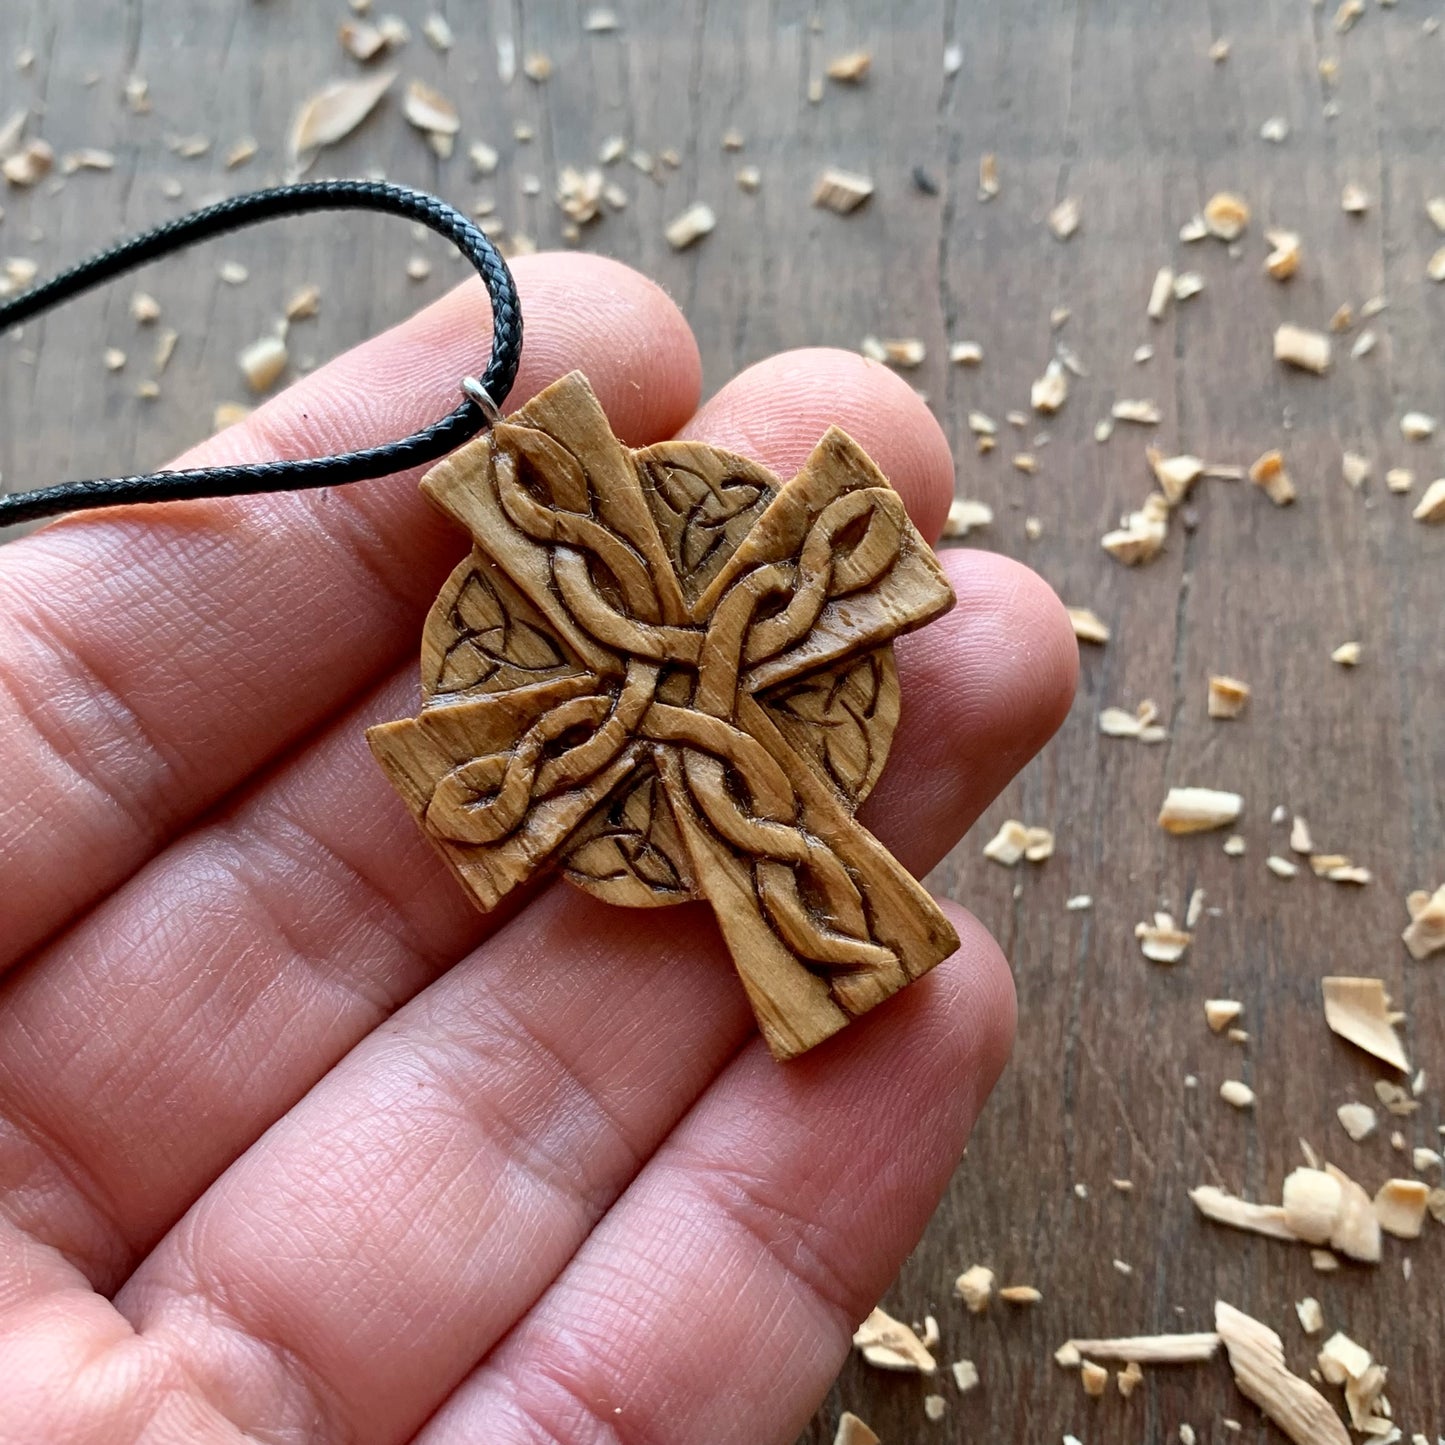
472, 416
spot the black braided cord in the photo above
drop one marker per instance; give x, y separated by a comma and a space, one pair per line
427, 445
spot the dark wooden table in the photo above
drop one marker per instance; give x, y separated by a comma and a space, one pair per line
1121, 106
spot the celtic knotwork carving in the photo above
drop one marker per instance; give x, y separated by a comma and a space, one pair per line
671, 676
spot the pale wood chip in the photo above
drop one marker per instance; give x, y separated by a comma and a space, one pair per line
934, 1406
1357, 1231
1237, 1093
1270, 475
987, 176
1020, 1294
1426, 933
1025, 462
1300, 840
1312, 1202
1219, 1013
1228, 696
1219, 50
1354, 199
852, 1431
1235, 846
1417, 426
438, 32
1129, 1378
889, 1344
485, 158
1087, 625
537, 66
429, 110
1226, 215
1140, 411
1175, 475
1395, 1098
1196, 810
1095, 1379
233, 273
964, 516
1194, 229
418, 268
965, 353
1161, 293
841, 191
1322, 1261
1311, 1315
1051, 390
1347, 654
600, 20
1358, 1120
1400, 1207
974, 1287
1358, 1009
91, 158
1364, 344
692, 225
1284, 257
1064, 218
1148, 1349
242, 151
1067, 1355
1162, 941
1355, 469
1399, 479
749, 178
1225, 1208
1281, 867
851, 68
333, 112
166, 340
1141, 535
304, 303
144, 308
362, 40
262, 362
29, 164
1431, 507
1187, 284
114, 358
1256, 1356
1349, 12
1300, 347
1039, 845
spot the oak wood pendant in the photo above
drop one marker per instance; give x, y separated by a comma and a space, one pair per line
670, 676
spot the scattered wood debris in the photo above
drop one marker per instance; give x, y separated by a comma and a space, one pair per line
1357, 1120
1284, 257
1312, 1201
1237, 1093
1139, 411
749, 178
1095, 1379
1014, 842
1219, 1013
262, 363
1275, 130
1426, 933
987, 176
964, 516
537, 67
691, 226
965, 353
1064, 218
1256, 1357
852, 1431
433, 114
965, 1375
333, 112
905, 352
1162, 941
1196, 810
1020, 1294
1175, 475
233, 273
1399, 479
1347, 654
1281, 867
145, 310
1235, 846
1146, 1349
1300, 347
841, 191
1161, 293
1129, 1378
1355, 469
1226, 215
1228, 696
1338, 868
1225, 1208
1269, 474
1358, 1009
438, 32
600, 20
889, 1344
1417, 426
974, 1287
934, 1406
1087, 625
1187, 284
1025, 462
852, 68
1354, 200
1140, 535
1311, 1315
1400, 1207
1431, 506
29, 164
1051, 390
304, 304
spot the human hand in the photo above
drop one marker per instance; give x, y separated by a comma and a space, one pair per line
294, 1144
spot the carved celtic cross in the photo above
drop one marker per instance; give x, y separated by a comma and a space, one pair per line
671, 676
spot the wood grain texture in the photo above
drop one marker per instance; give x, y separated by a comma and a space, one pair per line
670, 675
1120, 106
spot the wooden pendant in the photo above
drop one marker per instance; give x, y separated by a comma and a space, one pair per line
670, 676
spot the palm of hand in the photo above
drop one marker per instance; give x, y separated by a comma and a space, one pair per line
294, 1145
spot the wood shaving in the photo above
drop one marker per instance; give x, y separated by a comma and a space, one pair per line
1337, 868
1435, 266
165, 348
1051, 390
1187, 284
1312, 1202
1394, 1098
1299, 347
1175, 475
361, 40
114, 358
1343, 318
1270, 475
1399, 479
1358, 1009
934, 1406
1431, 507
537, 67
1219, 50
852, 68
1225, 1208
749, 178
1129, 1378
1161, 293
1095, 1379
1354, 200
852, 1431
1400, 1207
1141, 535
262, 362
981, 423
233, 273
1067, 1356
1322, 1261
304, 304
244, 150
1281, 867
1275, 130
1348, 13
889, 1344
1355, 469
841, 191
1196, 810
333, 112
1256, 1356
1226, 215
1064, 218
89, 159
974, 1287
1356, 1231
438, 32
1079, 903
29, 164
1300, 840
1235, 846
145, 310
1364, 345
1148, 1349
600, 21
1193, 230
1014, 842
1311, 1315
691, 226
1426, 933
965, 353
418, 268
1357, 1120
429, 110
1088, 626
964, 516
1417, 426
965, 1375
987, 176
1025, 462
1284, 257
1228, 697
1347, 654
1020, 1294
1162, 941
1219, 1013
1140, 412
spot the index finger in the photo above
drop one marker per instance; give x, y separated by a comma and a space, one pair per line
153, 658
